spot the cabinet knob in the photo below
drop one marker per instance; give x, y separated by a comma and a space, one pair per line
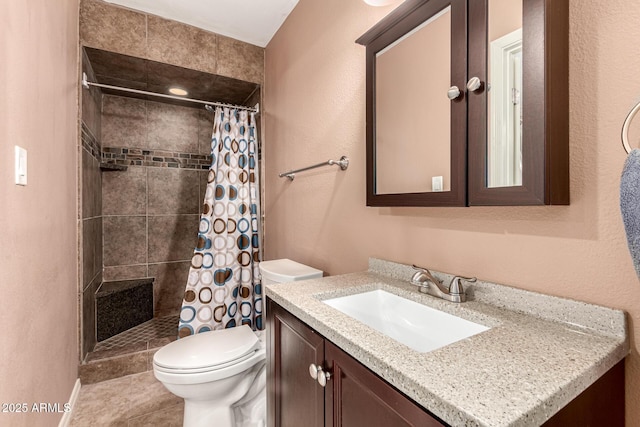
323, 377
313, 371
475, 84
317, 373
454, 93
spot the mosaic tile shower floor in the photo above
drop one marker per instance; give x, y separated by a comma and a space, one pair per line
159, 327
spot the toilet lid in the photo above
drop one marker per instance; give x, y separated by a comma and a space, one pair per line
208, 349
285, 270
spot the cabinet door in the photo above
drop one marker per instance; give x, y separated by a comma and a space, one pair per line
532, 144
414, 133
294, 399
357, 397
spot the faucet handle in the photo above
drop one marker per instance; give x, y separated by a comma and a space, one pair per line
456, 288
422, 275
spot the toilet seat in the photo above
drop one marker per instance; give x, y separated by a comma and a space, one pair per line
208, 356
207, 350
217, 373
203, 368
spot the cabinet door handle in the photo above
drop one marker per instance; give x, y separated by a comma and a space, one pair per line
313, 371
323, 377
454, 93
317, 373
475, 84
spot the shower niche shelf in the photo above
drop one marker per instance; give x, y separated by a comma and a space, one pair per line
121, 305
108, 167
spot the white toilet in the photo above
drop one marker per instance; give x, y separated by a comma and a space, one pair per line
212, 371
221, 374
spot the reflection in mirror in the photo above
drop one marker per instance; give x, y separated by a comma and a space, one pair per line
412, 111
504, 126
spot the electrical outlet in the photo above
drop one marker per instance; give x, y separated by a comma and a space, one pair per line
436, 183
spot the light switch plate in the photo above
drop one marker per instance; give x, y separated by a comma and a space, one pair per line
21, 165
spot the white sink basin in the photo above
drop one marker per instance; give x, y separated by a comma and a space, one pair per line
420, 327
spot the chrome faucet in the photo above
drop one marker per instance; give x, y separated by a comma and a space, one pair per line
428, 284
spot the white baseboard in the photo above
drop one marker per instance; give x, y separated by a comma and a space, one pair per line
66, 417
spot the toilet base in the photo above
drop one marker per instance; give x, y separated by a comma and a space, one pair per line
233, 395
251, 410
216, 403
201, 413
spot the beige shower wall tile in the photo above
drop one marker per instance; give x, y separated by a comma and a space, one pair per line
112, 28
91, 100
240, 60
172, 127
91, 183
205, 131
179, 44
125, 192
91, 114
173, 191
91, 249
124, 272
116, 29
125, 240
88, 316
204, 182
172, 237
168, 288
124, 122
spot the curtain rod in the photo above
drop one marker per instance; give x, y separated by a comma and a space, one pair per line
86, 83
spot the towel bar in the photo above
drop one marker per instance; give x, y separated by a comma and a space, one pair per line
343, 163
625, 127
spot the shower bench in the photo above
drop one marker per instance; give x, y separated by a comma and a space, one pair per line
121, 305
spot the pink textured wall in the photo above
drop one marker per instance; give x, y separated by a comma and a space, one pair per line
314, 108
38, 249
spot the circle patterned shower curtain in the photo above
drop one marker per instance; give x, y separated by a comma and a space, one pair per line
223, 288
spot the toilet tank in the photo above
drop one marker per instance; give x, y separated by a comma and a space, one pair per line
285, 270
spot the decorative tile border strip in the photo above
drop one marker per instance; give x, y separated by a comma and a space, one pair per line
155, 158
142, 157
90, 142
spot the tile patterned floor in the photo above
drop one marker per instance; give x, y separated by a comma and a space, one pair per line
130, 352
159, 327
132, 400
137, 400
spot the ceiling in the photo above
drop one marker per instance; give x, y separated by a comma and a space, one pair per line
251, 21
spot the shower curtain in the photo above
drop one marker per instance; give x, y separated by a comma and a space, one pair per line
223, 288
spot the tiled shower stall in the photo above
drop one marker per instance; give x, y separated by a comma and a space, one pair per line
142, 221
151, 211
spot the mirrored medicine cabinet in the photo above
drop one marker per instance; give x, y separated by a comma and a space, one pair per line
467, 104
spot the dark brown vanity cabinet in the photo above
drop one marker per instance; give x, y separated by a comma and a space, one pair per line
353, 395
468, 104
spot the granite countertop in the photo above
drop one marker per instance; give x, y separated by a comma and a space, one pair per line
540, 353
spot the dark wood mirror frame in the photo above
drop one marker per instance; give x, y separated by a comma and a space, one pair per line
402, 20
545, 132
545, 108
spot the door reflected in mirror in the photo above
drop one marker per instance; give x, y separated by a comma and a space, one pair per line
504, 118
412, 111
